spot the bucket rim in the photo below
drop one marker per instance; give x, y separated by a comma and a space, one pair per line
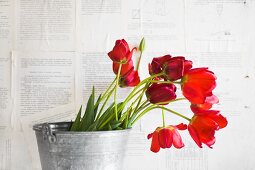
60, 128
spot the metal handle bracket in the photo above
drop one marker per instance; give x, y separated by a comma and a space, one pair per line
47, 133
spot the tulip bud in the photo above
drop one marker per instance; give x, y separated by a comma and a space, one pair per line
161, 93
142, 45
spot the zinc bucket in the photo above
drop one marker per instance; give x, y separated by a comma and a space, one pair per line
60, 149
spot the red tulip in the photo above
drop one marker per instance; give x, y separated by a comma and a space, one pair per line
172, 67
157, 64
121, 52
124, 68
130, 79
161, 93
197, 84
209, 101
187, 64
166, 137
203, 125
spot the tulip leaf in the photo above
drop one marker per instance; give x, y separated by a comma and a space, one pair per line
114, 124
76, 124
96, 106
105, 115
89, 115
109, 127
108, 117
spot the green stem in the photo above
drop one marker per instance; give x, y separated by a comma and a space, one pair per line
155, 107
141, 96
174, 112
143, 113
162, 82
139, 60
171, 101
139, 85
115, 93
163, 118
126, 113
105, 94
105, 102
144, 105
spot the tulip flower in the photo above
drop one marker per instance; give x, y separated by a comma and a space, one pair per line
166, 73
121, 52
209, 101
172, 67
165, 137
203, 125
161, 93
187, 64
157, 64
130, 79
124, 67
197, 85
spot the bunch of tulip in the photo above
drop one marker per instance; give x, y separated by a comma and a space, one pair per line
159, 88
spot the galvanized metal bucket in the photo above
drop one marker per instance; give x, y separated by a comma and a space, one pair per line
61, 149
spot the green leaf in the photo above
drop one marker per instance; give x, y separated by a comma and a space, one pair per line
76, 124
89, 115
125, 123
109, 127
97, 105
93, 127
114, 124
105, 114
110, 116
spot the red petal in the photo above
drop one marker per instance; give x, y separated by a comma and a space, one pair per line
120, 52
155, 142
205, 128
202, 79
181, 126
220, 120
161, 93
177, 140
124, 68
191, 92
194, 136
174, 69
130, 79
165, 138
149, 136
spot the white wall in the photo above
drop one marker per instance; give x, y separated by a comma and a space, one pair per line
52, 52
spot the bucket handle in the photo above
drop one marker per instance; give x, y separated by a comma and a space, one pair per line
47, 133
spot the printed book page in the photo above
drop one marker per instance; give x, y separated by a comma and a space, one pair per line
45, 25
53, 52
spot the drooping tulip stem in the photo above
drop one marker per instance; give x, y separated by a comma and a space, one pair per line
141, 96
139, 85
155, 106
145, 104
174, 112
130, 107
163, 82
115, 92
